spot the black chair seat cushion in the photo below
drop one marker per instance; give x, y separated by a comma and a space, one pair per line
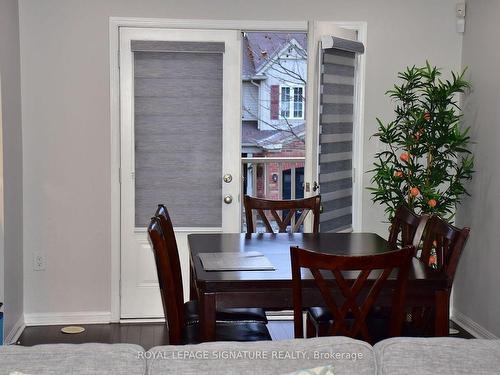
229, 331
322, 315
243, 315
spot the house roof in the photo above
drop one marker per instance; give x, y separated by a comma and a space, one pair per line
268, 139
251, 135
259, 47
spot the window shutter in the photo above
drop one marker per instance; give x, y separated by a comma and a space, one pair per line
275, 102
338, 73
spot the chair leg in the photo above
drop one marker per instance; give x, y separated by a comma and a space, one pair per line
310, 327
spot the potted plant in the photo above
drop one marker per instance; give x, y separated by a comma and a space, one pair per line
425, 161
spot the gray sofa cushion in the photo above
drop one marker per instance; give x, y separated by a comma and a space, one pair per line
73, 359
265, 357
443, 356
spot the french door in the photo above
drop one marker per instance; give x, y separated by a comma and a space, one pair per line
180, 116
334, 146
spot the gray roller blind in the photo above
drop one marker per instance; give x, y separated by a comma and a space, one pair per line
178, 134
168, 46
328, 42
336, 136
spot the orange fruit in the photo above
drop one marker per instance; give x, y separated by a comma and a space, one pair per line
427, 116
404, 156
414, 191
398, 174
432, 203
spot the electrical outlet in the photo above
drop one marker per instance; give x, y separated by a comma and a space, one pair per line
39, 262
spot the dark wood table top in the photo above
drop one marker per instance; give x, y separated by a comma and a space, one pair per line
276, 247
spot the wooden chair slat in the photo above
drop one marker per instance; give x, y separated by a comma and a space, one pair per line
300, 220
407, 225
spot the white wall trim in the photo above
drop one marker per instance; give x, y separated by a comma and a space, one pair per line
80, 317
15, 332
114, 98
208, 24
114, 25
358, 127
474, 328
141, 320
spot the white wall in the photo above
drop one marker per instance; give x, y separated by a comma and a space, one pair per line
250, 101
66, 130
11, 258
478, 279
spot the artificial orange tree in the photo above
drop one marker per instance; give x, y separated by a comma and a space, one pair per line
425, 161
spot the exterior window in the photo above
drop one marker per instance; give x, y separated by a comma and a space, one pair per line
292, 102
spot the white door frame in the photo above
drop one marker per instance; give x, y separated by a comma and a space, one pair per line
114, 76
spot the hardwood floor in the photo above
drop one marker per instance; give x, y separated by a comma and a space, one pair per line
146, 335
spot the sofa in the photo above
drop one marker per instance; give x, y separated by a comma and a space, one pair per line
443, 356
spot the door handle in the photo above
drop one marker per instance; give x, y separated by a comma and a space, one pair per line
227, 178
228, 199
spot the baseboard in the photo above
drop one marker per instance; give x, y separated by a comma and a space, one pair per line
15, 332
474, 328
141, 320
83, 317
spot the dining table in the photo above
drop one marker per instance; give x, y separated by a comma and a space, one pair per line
271, 289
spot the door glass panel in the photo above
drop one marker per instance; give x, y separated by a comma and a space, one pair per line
178, 135
274, 75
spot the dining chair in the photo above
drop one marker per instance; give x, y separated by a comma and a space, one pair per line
283, 212
351, 303
192, 316
447, 242
442, 248
405, 230
180, 330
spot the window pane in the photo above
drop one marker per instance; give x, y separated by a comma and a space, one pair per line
297, 102
285, 101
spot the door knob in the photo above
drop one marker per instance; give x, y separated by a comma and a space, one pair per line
227, 178
228, 199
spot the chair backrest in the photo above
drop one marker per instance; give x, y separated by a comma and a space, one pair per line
168, 279
347, 299
407, 224
172, 249
290, 207
448, 243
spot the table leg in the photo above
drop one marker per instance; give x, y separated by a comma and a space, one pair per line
207, 316
442, 308
193, 291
